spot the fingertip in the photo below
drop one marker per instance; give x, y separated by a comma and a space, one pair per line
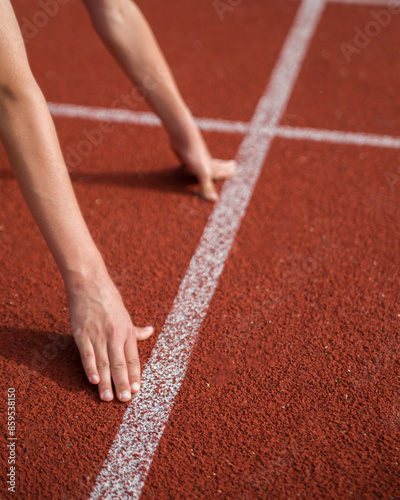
208, 193
125, 396
94, 379
210, 197
107, 396
135, 387
144, 333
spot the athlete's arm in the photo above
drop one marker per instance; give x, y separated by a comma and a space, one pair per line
101, 326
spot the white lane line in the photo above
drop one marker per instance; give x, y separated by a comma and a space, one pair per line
378, 3
395, 4
226, 126
129, 459
138, 117
337, 137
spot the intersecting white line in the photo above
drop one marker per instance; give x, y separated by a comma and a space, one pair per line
226, 126
125, 469
138, 117
337, 136
377, 3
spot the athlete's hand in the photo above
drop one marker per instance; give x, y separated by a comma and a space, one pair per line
106, 337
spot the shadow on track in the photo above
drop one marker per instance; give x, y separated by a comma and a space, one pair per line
37, 356
173, 179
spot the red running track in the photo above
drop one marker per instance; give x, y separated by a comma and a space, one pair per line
292, 389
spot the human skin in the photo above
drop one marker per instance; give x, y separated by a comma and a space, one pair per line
101, 326
124, 30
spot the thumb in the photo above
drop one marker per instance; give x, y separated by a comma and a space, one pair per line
144, 333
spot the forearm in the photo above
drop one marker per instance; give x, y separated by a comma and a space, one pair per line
101, 325
29, 138
126, 33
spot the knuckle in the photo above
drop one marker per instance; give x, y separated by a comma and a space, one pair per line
133, 362
103, 364
100, 340
118, 365
76, 330
79, 335
112, 332
86, 356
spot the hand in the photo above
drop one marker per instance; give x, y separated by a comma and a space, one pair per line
106, 337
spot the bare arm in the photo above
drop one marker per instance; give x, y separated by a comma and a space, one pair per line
125, 31
100, 323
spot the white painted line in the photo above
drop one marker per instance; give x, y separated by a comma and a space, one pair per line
376, 3
129, 459
226, 126
104, 114
138, 117
337, 137
210, 124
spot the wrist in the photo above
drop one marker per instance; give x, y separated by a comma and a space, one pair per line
84, 275
183, 132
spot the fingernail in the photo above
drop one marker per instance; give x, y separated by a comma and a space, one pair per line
135, 387
107, 395
148, 328
125, 395
94, 379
